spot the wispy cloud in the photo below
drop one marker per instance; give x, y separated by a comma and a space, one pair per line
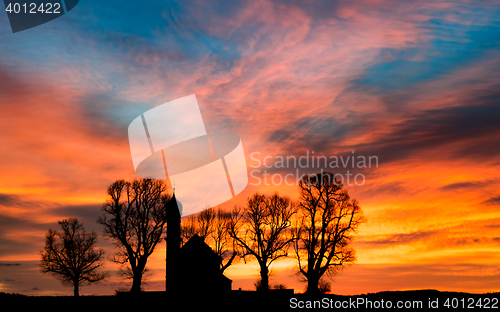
492, 201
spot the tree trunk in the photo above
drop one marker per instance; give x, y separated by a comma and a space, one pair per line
137, 271
137, 280
312, 284
264, 278
136, 284
76, 289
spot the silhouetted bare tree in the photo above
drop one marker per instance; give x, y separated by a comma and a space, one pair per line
200, 224
70, 256
324, 286
212, 225
326, 221
135, 218
263, 230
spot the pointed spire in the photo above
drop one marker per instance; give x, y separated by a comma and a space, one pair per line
174, 208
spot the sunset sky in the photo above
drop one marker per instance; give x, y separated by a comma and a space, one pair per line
414, 83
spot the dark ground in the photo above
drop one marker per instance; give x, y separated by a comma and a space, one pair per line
253, 301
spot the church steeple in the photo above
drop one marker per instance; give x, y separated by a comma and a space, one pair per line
174, 211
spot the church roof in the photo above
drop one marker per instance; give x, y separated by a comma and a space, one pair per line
199, 260
196, 246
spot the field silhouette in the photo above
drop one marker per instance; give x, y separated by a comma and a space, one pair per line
236, 300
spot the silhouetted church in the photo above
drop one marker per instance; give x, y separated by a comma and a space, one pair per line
195, 266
